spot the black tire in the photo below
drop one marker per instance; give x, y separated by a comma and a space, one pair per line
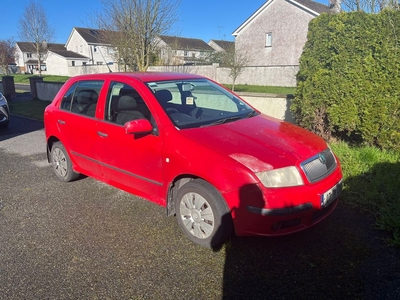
62, 164
202, 214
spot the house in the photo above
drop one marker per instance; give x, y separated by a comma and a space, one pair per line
220, 45
183, 51
59, 61
26, 57
86, 51
276, 33
93, 44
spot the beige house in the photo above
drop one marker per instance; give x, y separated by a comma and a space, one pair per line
221, 45
183, 51
276, 33
26, 57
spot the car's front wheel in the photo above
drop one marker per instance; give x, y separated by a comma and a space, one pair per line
62, 164
203, 214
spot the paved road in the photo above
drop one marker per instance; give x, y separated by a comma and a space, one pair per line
86, 240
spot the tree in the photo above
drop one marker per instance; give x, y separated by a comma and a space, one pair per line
235, 60
7, 54
34, 28
370, 6
136, 24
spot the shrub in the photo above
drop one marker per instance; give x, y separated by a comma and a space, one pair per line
348, 83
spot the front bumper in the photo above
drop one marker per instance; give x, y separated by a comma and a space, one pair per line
272, 212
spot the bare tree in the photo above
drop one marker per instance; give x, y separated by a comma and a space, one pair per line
236, 60
136, 25
34, 28
370, 6
7, 54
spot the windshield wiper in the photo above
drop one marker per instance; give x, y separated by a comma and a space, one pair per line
222, 121
252, 114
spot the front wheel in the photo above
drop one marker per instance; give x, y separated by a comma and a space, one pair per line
62, 164
203, 214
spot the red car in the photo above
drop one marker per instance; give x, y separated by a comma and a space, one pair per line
187, 143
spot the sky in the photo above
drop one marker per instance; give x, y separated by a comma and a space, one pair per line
201, 19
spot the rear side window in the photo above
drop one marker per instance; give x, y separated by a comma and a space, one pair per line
81, 97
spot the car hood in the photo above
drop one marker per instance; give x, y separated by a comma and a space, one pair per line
260, 143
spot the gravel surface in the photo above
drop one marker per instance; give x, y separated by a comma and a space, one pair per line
87, 240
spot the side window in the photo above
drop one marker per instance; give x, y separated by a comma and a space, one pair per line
82, 97
67, 99
125, 104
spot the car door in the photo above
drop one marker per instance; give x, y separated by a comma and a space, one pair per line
132, 162
77, 123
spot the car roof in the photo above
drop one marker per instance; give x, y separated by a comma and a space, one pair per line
142, 76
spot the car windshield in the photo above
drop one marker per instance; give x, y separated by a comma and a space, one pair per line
197, 103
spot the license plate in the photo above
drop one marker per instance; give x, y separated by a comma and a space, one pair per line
328, 197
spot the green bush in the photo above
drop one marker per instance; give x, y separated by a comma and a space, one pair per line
348, 84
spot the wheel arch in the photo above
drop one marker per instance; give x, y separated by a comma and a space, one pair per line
49, 145
176, 184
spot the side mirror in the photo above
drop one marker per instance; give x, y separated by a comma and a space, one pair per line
138, 126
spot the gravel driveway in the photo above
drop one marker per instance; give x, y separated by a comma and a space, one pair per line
86, 240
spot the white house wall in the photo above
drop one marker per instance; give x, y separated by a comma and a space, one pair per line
56, 65
288, 25
97, 54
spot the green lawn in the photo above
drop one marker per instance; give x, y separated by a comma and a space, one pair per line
23, 78
32, 109
372, 184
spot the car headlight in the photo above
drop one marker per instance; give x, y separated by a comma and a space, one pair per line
283, 177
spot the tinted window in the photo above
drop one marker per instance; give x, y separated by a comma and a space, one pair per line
82, 97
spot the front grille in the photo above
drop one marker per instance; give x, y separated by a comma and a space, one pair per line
319, 166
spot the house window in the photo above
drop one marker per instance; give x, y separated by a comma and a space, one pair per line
268, 39
95, 49
186, 53
73, 63
29, 55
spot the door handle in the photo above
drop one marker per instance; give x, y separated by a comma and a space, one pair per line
102, 134
61, 122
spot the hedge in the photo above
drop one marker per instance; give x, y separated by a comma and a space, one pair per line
348, 84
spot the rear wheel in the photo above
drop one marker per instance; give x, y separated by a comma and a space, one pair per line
202, 214
62, 164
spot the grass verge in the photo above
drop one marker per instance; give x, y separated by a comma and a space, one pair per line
24, 78
32, 109
280, 90
372, 184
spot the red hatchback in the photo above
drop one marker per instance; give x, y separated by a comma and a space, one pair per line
187, 143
